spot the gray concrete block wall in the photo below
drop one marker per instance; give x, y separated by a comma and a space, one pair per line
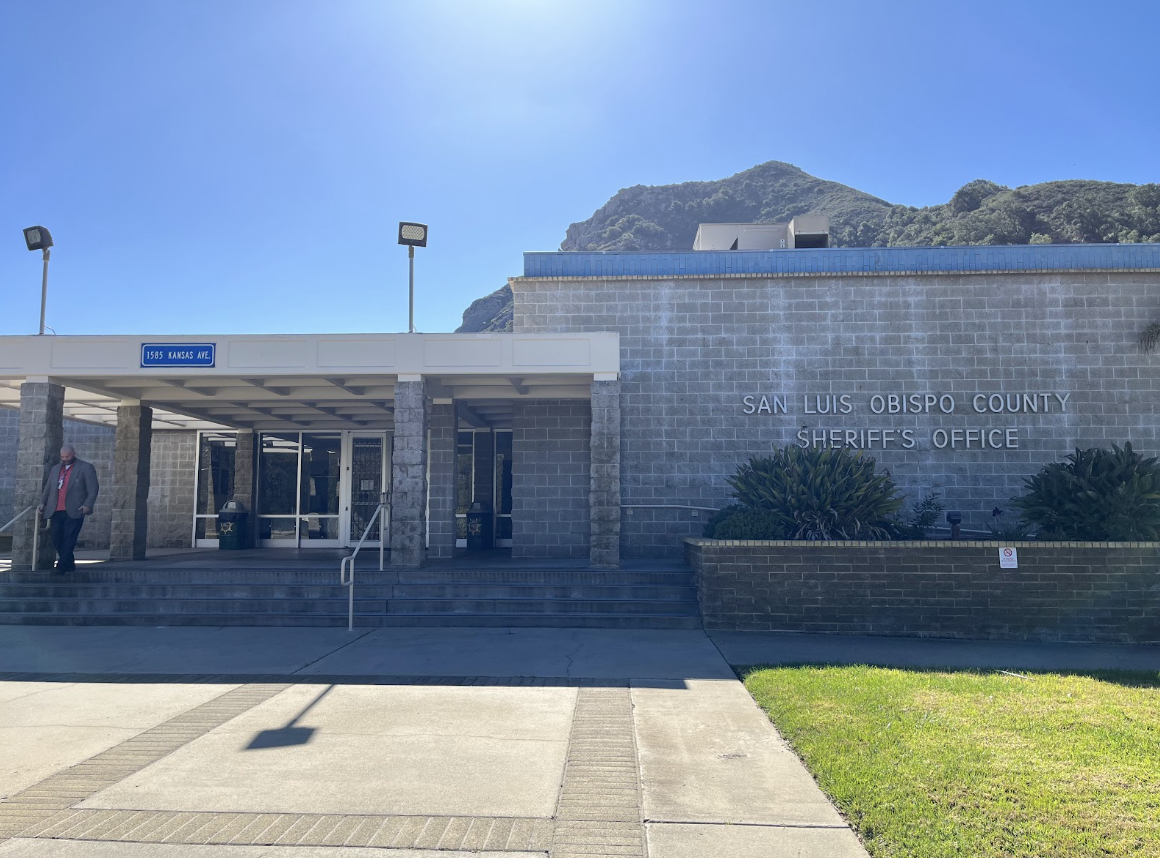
550, 478
171, 477
171, 491
604, 493
692, 348
9, 436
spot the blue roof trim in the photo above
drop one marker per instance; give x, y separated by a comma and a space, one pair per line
843, 260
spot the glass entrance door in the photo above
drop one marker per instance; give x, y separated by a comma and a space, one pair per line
367, 477
315, 489
483, 475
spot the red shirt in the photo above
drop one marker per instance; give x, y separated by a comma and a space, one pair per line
62, 486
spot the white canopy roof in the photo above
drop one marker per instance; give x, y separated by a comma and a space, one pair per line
307, 382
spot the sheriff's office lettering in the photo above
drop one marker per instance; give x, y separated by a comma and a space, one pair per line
858, 437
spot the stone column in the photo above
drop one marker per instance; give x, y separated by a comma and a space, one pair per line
41, 436
441, 462
245, 476
130, 490
409, 473
604, 494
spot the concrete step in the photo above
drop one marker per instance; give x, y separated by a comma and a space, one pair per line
562, 621
153, 619
600, 621
661, 595
615, 607
544, 591
367, 574
246, 590
187, 607
675, 577
230, 590
337, 601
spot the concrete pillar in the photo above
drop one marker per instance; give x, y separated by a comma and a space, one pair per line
245, 476
604, 494
41, 437
132, 448
409, 473
441, 481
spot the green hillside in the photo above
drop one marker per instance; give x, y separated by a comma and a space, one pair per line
665, 218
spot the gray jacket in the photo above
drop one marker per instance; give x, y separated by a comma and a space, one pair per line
82, 489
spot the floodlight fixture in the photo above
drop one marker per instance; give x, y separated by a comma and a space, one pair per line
413, 235
39, 238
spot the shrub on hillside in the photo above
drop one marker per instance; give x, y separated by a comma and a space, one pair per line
822, 493
1096, 495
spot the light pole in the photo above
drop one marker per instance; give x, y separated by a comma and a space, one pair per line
38, 238
413, 235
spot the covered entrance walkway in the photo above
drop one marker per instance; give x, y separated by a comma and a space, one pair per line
515, 436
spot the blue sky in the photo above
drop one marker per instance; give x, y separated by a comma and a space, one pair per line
241, 166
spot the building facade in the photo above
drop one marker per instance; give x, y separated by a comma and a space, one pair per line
606, 424
961, 370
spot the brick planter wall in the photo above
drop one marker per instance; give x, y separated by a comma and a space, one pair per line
1062, 591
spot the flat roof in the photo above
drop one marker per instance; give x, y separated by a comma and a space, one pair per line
844, 260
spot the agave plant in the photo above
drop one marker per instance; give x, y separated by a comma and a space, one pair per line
822, 493
1097, 495
1150, 337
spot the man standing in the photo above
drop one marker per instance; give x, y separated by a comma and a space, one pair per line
69, 495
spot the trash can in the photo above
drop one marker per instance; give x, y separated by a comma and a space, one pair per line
480, 533
233, 526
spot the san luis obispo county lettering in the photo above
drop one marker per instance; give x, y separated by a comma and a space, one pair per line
865, 438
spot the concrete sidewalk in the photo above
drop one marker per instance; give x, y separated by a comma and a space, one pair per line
400, 742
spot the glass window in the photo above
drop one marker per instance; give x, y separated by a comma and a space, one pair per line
215, 471
320, 527
485, 469
278, 475
321, 469
463, 472
503, 470
284, 527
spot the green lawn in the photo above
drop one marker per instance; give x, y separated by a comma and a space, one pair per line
927, 764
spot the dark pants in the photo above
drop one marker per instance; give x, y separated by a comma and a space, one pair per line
65, 531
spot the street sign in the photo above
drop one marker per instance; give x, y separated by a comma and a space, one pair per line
177, 354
